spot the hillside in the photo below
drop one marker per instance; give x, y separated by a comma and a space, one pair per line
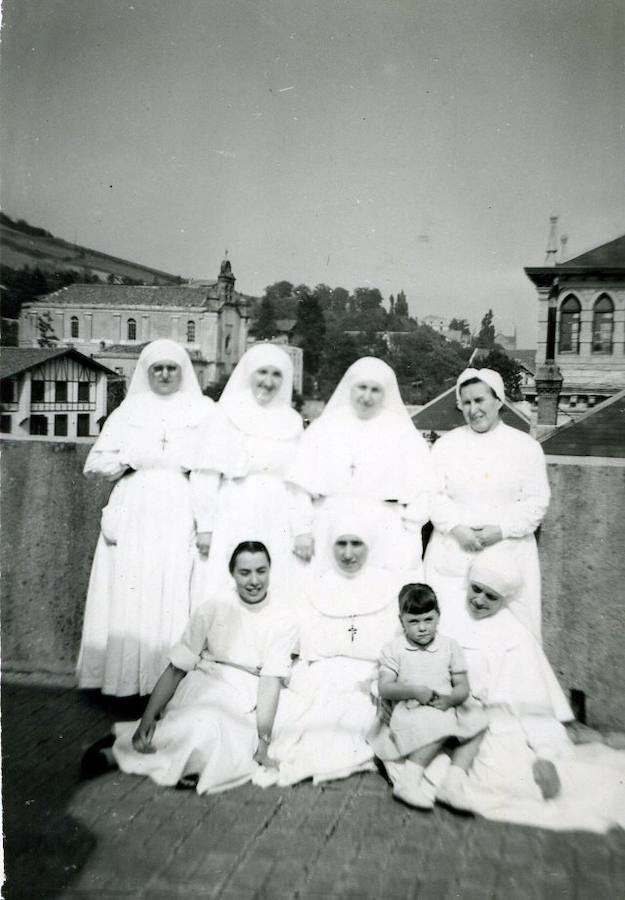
23, 245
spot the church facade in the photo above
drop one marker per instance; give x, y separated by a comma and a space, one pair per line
112, 322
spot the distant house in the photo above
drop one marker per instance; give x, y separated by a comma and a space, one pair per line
436, 323
599, 432
58, 392
441, 415
589, 295
507, 341
113, 321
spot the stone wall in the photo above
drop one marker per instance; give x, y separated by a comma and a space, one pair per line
582, 550
50, 520
50, 523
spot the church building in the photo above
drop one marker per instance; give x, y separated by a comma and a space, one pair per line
113, 322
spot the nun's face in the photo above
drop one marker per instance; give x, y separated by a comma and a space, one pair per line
483, 600
164, 377
366, 398
266, 383
480, 407
350, 553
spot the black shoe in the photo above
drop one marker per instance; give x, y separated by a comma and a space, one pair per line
94, 762
187, 783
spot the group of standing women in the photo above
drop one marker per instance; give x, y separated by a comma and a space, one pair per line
234, 543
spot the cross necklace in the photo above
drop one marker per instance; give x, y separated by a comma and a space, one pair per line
353, 630
164, 441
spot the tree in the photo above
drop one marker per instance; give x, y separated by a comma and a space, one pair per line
460, 325
310, 329
47, 337
340, 299
486, 335
265, 326
281, 290
323, 293
508, 368
401, 305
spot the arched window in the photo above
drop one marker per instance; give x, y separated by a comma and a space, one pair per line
132, 330
190, 332
602, 325
74, 328
570, 312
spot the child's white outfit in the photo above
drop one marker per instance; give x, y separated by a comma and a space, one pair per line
414, 725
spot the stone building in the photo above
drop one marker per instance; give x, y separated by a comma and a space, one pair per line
51, 392
586, 295
112, 322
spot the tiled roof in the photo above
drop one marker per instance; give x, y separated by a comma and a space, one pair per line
598, 432
14, 360
610, 255
134, 295
442, 414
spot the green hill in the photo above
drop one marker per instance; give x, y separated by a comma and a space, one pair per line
24, 245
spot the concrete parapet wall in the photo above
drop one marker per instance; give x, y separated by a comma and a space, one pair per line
582, 551
50, 522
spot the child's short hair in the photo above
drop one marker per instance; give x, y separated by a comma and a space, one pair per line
415, 599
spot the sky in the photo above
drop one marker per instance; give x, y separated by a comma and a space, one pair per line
416, 145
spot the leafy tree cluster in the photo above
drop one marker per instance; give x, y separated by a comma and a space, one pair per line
335, 327
26, 284
23, 226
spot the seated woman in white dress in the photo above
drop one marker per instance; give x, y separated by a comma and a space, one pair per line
138, 597
527, 770
350, 615
208, 723
490, 486
238, 483
364, 446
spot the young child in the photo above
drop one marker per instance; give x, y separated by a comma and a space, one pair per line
424, 676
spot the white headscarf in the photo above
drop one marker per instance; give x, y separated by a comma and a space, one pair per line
496, 567
509, 666
340, 593
368, 368
277, 419
143, 408
488, 376
387, 457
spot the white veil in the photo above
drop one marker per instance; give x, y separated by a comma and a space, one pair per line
275, 420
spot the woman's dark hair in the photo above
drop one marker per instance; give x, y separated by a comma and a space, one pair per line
415, 599
476, 381
247, 547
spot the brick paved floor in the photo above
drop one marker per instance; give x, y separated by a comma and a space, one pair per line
123, 837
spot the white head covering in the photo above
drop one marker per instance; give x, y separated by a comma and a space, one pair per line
495, 567
277, 419
488, 376
354, 517
383, 457
368, 368
143, 407
339, 593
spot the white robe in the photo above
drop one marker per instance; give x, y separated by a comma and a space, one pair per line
510, 674
239, 493
209, 727
496, 478
383, 460
139, 591
342, 630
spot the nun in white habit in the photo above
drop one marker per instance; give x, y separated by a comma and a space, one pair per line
238, 479
527, 770
490, 486
351, 612
364, 446
138, 596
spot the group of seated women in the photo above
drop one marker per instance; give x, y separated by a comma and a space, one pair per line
265, 586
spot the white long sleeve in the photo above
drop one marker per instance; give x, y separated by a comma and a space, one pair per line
300, 510
204, 491
104, 464
525, 515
